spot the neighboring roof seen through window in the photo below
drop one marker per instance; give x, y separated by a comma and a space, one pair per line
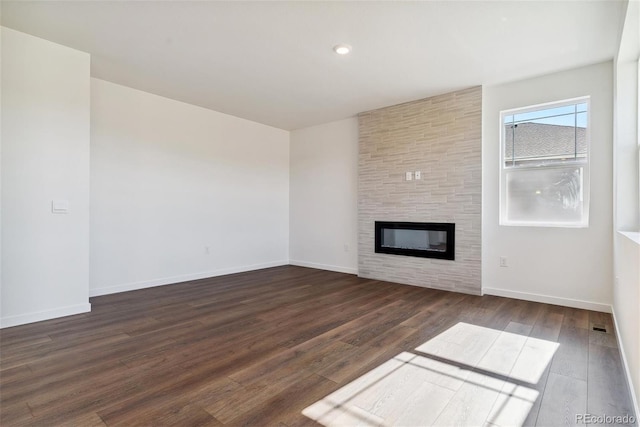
548, 135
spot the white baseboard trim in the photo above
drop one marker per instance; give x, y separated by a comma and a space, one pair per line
39, 316
625, 365
134, 286
324, 266
547, 299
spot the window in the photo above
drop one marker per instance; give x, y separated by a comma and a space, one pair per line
545, 165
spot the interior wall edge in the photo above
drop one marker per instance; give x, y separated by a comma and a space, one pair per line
627, 370
549, 299
134, 286
336, 268
39, 316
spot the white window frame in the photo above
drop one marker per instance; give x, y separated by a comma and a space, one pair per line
584, 223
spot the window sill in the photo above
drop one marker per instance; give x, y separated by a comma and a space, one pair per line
543, 224
634, 236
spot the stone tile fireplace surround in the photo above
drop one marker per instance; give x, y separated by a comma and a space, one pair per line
440, 137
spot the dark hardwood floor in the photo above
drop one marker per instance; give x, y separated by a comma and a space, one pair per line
258, 348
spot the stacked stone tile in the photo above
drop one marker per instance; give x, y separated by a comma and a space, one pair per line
441, 137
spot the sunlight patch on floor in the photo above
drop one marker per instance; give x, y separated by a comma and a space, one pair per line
467, 375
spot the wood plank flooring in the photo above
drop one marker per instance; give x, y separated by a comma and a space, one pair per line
292, 346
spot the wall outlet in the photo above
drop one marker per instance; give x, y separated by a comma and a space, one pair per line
207, 250
503, 261
418, 175
408, 176
60, 206
346, 247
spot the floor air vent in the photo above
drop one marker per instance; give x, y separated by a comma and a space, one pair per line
599, 328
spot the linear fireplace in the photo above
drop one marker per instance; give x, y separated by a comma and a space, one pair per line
420, 239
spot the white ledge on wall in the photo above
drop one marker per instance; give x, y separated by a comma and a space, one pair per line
633, 235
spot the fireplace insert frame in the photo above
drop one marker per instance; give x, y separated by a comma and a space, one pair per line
449, 228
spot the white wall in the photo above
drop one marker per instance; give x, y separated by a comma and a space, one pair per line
45, 156
626, 292
171, 181
627, 191
567, 266
1, 32
626, 300
323, 197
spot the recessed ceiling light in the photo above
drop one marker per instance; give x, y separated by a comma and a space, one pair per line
342, 49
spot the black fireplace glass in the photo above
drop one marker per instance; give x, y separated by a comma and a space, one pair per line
420, 239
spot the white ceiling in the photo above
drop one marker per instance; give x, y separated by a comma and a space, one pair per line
272, 62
